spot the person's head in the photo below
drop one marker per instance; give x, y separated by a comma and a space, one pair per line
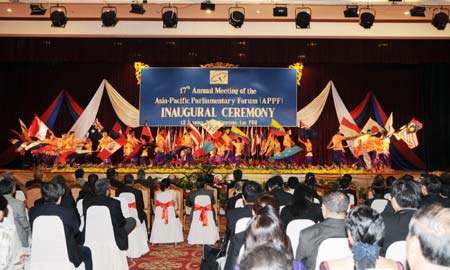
111, 173
79, 173
201, 181
274, 182
445, 179
302, 193
292, 182
92, 178
238, 186
38, 175
188, 130
52, 192
101, 187
3, 208
266, 257
389, 181
378, 184
263, 200
237, 175
227, 130
128, 179
141, 174
345, 181
405, 194
165, 184
104, 134
310, 180
335, 204
266, 227
250, 191
60, 180
7, 186
428, 241
431, 185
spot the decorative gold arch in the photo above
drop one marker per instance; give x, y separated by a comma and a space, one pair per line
299, 67
137, 67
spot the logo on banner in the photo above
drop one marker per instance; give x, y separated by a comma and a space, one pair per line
218, 76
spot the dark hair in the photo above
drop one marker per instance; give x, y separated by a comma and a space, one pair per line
292, 182
7, 185
165, 183
274, 182
378, 184
345, 181
238, 185
128, 179
79, 173
60, 180
431, 225
265, 199
111, 173
140, 174
266, 227
406, 193
432, 183
3, 206
389, 181
445, 179
92, 178
336, 202
101, 186
51, 191
268, 256
237, 175
310, 180
250, 191
299, 200
201, 181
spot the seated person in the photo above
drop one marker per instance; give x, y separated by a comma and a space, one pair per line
128, 181
10, 247
275, 186
267, 257
365, 228
52, 194
431, 191
201, 190
36, 181
378, 190
292, 183
310, 181
88, 188
344, 183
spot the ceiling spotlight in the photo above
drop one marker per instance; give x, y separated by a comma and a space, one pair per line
37, 9
169, 17
302, 17
351, 11
440, 19
58, 16
137, 8
109, 16
366, 17
237, 16
280, 11
417, 11
208, 6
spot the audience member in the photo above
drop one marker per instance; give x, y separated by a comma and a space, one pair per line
334, 208
263, 200
52, 194
405, 201
431, 191
365, 230
79, 173
231, 203
377, 189
302, 207
310, 181
266, 257
428, 242
112, 176
389, 181
128, 181
445, 190
292, 183
165, 187
7, 189
88, 188
9, 245
145, 182
344, 183
36, 181
275, 186
201, 190
67, 197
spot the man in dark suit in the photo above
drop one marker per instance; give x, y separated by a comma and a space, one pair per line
36, 181
190, 201
334, 208
431, 191
52, 193
112, 175
405, 201
275, 187
250, 192
128, 187
121, 226
238, 195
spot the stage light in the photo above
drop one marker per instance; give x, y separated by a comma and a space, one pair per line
208, 6
169, 17
137, 8
37, 9
302, 17
351, 11
58, 16
237, 16
440, 19
366, 17
417, 11
280, 11
109, 16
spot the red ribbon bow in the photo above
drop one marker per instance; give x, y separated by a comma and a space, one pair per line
164, 206
132, 205
203, 215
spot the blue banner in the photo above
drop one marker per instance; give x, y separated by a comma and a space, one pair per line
235, 96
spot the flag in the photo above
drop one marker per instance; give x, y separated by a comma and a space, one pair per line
208, 147
276, 128
38, 129
112, 147
146, 134
410, 133
196, 136
373, 126
167, 141
287, 153
65, 155
95, 130
19, 145
254, 134
24, 130
263, 138
178, 138
20, 136
212, 128
235, 132
135, 151
389, 126
348, 128
116, 130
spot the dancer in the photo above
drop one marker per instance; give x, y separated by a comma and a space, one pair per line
160, 157
370, 145
228, 156
238, 149
384, 156
102, 143
309, 154
130, 147
187, 144
287, 144
338, 148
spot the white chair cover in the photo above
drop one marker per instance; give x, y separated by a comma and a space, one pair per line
16, 245
397, 252
281, 208
388, 196
20, 195
100, 239
172, 232
137, 239
124, 206
293, 230
49, 248
332, 249
199, 234
379, 205
80, 212
239, 203
241, 225
316, 201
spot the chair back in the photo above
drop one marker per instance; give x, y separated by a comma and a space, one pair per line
281, 208
20, 195
332, 249
316, 201
80, 213
388, 196
397, 252
294, 229
32, 194
216, 205
147, 200
124, 206
130, 199
241, 225
379, 205
164, 197
239, 203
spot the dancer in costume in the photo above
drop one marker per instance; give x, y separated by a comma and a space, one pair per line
71, 143
186, 154
238, 149
309, 154
228, 156
88, 148
384, 156
130, 147
160, 156
103, 143
336, 145
288, 143
220, 153
370, 145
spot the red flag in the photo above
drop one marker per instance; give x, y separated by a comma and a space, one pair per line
135, 151
147, 133
38, 129
117, 127
195, 134
112, 147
